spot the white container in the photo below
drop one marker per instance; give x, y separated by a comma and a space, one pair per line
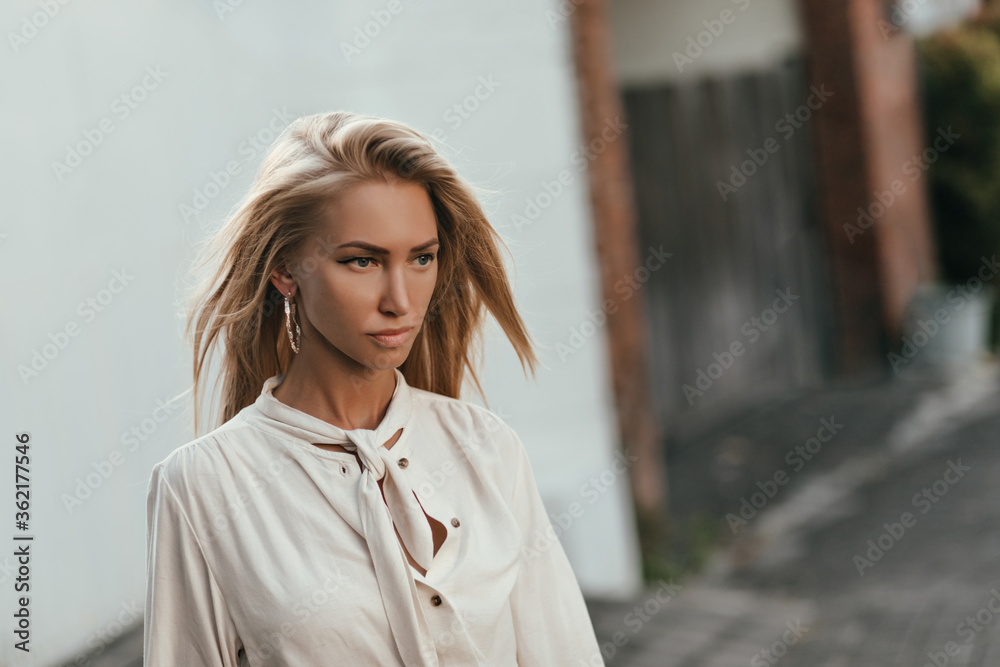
946, 326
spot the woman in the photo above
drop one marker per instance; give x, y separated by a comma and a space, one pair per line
351, 509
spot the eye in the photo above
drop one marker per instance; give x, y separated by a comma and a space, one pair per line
366, 260
428, 256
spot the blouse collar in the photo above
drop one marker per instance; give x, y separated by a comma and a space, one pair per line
315, 430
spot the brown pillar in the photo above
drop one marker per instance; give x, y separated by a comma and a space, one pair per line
867, 134
616, 237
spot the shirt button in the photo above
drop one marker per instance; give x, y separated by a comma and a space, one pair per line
403, 462
436, 600
455, 522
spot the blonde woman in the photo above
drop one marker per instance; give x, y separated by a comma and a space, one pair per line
349, 508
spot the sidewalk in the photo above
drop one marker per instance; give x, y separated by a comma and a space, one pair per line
881, 549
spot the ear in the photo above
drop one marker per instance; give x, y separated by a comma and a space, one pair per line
283, 281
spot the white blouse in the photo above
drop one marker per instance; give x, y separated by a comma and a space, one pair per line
263, 549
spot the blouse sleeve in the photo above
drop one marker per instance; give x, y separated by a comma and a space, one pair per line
187, 621
551, 623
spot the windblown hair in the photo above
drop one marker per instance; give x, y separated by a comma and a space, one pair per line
316, 159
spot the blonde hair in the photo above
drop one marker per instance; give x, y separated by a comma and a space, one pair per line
314, 160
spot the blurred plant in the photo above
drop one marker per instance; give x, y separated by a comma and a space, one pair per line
691, 543
960, 84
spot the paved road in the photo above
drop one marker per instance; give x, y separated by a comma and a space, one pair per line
892, 558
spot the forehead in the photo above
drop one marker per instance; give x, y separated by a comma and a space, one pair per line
392, 215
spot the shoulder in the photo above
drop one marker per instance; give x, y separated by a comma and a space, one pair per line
476, 426
205, 457
477, 435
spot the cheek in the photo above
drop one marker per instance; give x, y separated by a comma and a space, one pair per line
352, 291
425, 289
341, 302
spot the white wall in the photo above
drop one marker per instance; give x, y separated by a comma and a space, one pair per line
222, 78
659, 41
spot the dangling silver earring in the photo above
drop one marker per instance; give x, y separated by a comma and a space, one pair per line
289, 317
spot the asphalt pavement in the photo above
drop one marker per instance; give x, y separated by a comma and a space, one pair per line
881, 549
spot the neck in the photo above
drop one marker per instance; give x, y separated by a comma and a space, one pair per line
347, 395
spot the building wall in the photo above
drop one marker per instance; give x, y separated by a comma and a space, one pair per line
660, 37
162, 97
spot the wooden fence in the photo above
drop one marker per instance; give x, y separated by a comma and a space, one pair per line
736, 247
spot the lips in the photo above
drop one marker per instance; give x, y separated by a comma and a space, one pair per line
392, 337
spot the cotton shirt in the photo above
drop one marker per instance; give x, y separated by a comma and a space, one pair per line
264, 549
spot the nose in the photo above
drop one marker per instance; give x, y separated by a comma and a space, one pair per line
395, 295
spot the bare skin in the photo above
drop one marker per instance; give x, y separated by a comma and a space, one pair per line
342, 374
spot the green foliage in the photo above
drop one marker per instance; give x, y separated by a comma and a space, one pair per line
960, 85
686, 553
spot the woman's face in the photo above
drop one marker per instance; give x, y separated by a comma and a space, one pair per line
374, 269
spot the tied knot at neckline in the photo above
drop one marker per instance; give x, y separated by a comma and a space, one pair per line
395, 503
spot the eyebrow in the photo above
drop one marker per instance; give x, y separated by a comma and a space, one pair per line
383, 251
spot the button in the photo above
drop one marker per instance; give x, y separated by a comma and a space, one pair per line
403, 462
343, 469
436, 600
455, 522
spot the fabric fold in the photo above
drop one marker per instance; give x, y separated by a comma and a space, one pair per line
399, 509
